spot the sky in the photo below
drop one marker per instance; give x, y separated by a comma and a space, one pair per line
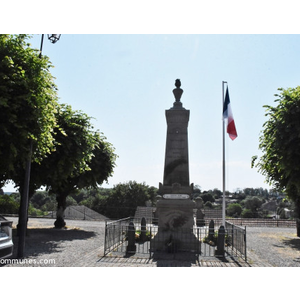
124, 80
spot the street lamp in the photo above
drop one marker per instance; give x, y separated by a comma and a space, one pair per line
24, 204
53, 38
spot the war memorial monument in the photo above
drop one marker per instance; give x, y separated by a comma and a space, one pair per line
175, 208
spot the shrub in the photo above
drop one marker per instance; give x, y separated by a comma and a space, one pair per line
234, 209
32, 211
212, 241
208, 205
8, 205
247, 213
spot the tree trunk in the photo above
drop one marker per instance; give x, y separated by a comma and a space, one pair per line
22, 215
297, 215
298, 227
61, 206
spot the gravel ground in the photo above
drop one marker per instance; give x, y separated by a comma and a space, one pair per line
81, 244
66, 247
279, 247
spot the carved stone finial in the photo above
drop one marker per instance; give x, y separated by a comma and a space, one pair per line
178, 91
177, 83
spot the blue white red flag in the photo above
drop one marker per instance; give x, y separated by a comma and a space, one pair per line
227, 114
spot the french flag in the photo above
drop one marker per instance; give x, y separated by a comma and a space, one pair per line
227, 114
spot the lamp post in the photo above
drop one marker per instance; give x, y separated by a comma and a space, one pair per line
24, 204
53, 38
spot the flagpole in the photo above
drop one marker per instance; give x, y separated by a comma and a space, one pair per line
223, 202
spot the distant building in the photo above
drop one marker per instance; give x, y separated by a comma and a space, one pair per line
270, 206
212, 214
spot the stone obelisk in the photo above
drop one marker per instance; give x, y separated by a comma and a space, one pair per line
175, 207
176, 169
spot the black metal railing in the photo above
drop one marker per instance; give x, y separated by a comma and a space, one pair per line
128, 236
237, 241
115, 234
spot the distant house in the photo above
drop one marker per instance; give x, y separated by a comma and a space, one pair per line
270, 206
212, 214
288, 213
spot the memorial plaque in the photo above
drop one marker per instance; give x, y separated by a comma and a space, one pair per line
176, 196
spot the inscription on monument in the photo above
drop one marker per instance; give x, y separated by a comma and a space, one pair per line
176, 196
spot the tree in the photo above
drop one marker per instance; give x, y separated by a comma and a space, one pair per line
254, 204
234, 210
96, 199
280, 143
207, 197
8, 205
28, 101
82, 158
247, 213
125, 197
208, 205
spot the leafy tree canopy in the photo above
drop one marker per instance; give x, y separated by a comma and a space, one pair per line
280, 143
125, 197
234, 209
82, 158
28, 102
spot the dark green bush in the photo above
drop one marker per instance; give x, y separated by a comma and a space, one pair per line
247, 213
8, 205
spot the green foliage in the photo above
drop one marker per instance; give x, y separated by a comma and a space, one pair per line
67, 153
32, 211
70, 201
208, 205
138, 236
212, 240
49, 205
207, 197
217, 193
234, 210
253, 203
280, 143
125, 197
8, 205
82, 157
43, 201
247, 213
28, 102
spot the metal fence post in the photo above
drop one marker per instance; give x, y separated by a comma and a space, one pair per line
245, 239
105, 238
232, 237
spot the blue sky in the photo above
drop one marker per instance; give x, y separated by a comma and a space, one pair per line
118, 63
125, 82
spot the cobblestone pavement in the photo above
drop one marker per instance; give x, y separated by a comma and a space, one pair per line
81, 245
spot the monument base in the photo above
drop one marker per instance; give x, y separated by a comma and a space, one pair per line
169, 241
175, 214
176, 219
